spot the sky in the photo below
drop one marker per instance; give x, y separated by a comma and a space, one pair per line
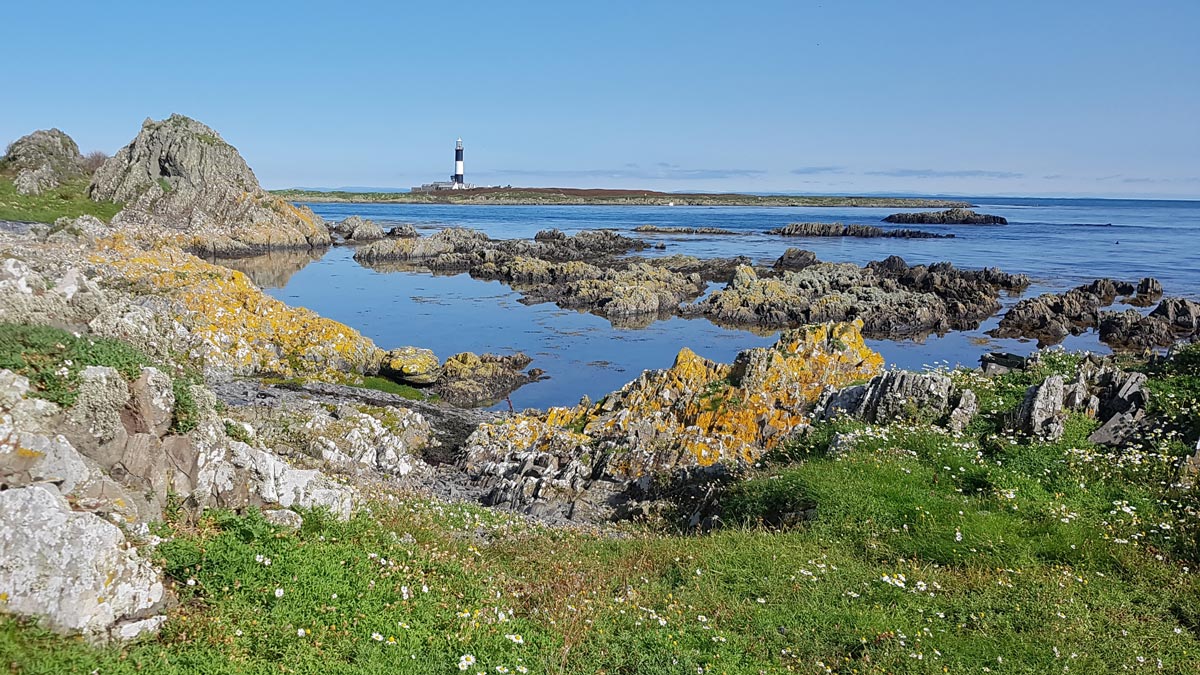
999, 97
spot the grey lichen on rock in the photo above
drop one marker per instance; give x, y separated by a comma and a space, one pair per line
73, 571
42, 161
179, 179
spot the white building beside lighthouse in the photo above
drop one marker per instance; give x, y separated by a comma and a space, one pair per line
456, 182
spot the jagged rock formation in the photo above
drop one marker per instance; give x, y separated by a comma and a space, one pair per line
582, 463
1051, 317
1174, 319
895, 395
947, 217
795, 259
840, 230
180, 181
664, 229
891, 298
42, 161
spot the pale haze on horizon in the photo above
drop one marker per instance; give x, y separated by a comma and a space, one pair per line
1095, 98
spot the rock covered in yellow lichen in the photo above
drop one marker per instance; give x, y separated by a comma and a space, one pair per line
413, 365
698, 412
236, 326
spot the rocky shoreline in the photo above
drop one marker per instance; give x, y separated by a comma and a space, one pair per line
139, 382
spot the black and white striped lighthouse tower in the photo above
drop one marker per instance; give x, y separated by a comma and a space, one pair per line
457, 178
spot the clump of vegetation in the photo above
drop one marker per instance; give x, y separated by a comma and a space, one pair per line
69, 199
52, 359
388, 386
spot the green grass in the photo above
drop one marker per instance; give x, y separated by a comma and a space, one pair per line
918, 552
52, 359
69, 199
392, 387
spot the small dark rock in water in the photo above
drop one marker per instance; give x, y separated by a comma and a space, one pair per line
405, 231
840, 230
947, 217
796, 259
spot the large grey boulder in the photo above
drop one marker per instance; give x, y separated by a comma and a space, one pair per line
74, 572
43, 160
893, 395
356, 228
179, 179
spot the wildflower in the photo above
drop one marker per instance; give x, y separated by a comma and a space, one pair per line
516, 638
522, 670
379, 638
468, 659
702, 619
279, 592
191, 582
761, 601
501, 669
300, 633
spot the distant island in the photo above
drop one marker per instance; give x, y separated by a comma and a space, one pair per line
573, 196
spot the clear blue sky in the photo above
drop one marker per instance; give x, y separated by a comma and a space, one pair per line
1083, 97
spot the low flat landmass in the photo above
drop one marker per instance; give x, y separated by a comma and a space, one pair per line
572, 196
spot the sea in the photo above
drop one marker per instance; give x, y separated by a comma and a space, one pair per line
1059, 243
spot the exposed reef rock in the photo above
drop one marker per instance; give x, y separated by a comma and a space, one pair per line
889, 297
947, 217
42, 161
585, 462
1051, 317
665, 229
356, 229
1174, 319
181, 182
840, 230
469, 379
796, 259
411, 365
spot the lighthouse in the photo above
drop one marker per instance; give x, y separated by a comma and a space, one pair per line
457, 178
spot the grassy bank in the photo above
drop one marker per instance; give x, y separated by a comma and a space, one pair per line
69, 200
571, 196
919, 552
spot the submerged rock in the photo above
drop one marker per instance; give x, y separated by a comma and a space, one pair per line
180, 181
947, 217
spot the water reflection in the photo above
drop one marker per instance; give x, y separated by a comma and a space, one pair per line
274, 269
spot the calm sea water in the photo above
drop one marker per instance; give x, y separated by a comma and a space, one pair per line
1059, 243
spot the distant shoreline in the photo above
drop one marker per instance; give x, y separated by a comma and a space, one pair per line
584, 197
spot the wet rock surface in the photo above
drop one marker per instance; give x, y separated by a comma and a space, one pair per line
947, 217
840, 230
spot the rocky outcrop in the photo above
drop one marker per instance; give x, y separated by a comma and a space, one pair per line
840, 230
73, 571
42, 161
469, 379
411, 365
180, 181
795, 259
584, 462
947, 217
1174, 319
405, 230
889, 297
1051, 317
356, 229
1041, 412
664, 229
895, 395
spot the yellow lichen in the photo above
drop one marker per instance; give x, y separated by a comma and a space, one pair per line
238, 325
